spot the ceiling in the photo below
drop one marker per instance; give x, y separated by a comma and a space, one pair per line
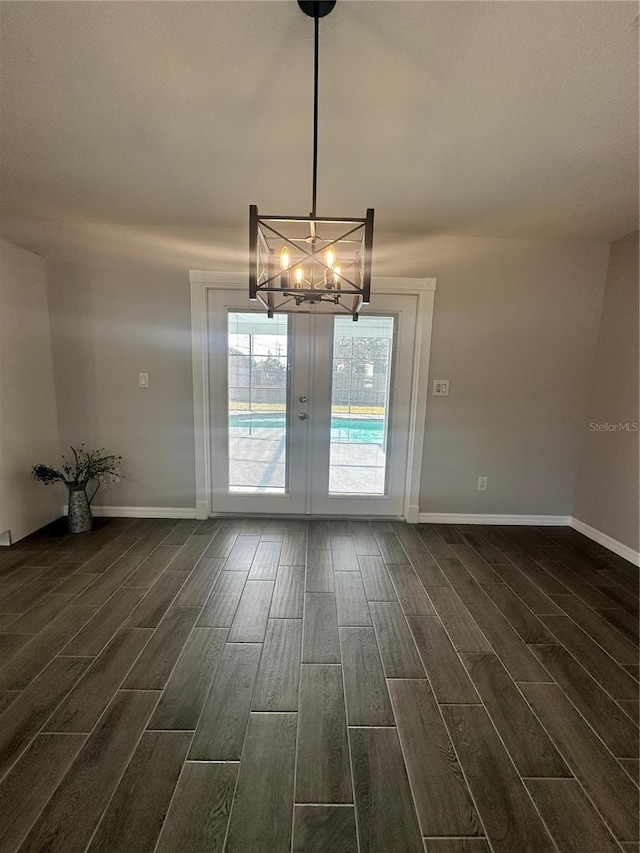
505, 119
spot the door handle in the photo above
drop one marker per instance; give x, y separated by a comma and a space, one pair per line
302, 416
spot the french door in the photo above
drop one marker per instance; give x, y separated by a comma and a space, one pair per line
309, 414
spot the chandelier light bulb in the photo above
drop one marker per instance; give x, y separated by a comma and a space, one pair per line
285, 258
336, 274
330, 257
299, 275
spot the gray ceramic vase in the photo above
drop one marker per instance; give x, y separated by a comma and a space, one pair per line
79, 519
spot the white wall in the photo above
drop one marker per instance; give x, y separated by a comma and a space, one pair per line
514, 331
110, 321
28, 417
606, 495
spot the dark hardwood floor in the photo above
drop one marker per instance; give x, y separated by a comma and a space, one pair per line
292, 686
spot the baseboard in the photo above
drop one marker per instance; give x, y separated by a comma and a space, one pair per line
606, 541
412, 514
140, 511
488, 518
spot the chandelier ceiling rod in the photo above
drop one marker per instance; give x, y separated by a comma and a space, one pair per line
316, 41
287, 271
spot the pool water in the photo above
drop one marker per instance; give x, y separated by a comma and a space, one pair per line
356, 430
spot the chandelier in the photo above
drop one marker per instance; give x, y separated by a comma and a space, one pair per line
311, 264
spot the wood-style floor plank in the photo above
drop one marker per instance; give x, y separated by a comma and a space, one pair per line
153, 668
103, 588
400, 658
242, 553
262, 814
288, 595
478, 556
222, 543
222, 604
179, 534
604, 780
351, 601
323, 773
47, 608
622, 621
250, 622
529, 746
319, 829
574, 583
184, 696
196, 590
517, 658
199, 813
71, 815
223, 722
426, 568
294, 548
603, 714
343, 554
376, 580
442, 799
509, 817
265, 562
448, 677
534, 571
31, 658
621, 649
390, 548
605, 670
320, 642
411, 594
137, 810
85, 703
278, 679
100, 629
468, 589
571, 818
463, 631
26, 714
528, 627
533, 596
319, 571
364, 540
385, 813
456, 845
34, 778
365, 687
319, 537
150, 569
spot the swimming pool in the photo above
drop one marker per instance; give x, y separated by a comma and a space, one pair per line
356, 430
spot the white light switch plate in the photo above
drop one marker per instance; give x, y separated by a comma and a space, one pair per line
440, 388
143, 380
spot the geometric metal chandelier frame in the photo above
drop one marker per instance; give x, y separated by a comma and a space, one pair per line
311, 264
278, 289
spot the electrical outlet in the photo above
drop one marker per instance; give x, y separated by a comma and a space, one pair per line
143, 380
440, 388
482, 484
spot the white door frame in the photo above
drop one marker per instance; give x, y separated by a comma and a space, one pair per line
202, 281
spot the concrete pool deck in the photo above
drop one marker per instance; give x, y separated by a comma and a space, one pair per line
257, 464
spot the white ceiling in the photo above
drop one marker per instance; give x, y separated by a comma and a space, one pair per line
510, 119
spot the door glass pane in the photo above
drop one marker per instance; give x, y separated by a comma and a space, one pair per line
258, 353
361, 380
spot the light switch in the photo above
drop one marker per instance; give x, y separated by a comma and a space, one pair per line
143, 380
440, 388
